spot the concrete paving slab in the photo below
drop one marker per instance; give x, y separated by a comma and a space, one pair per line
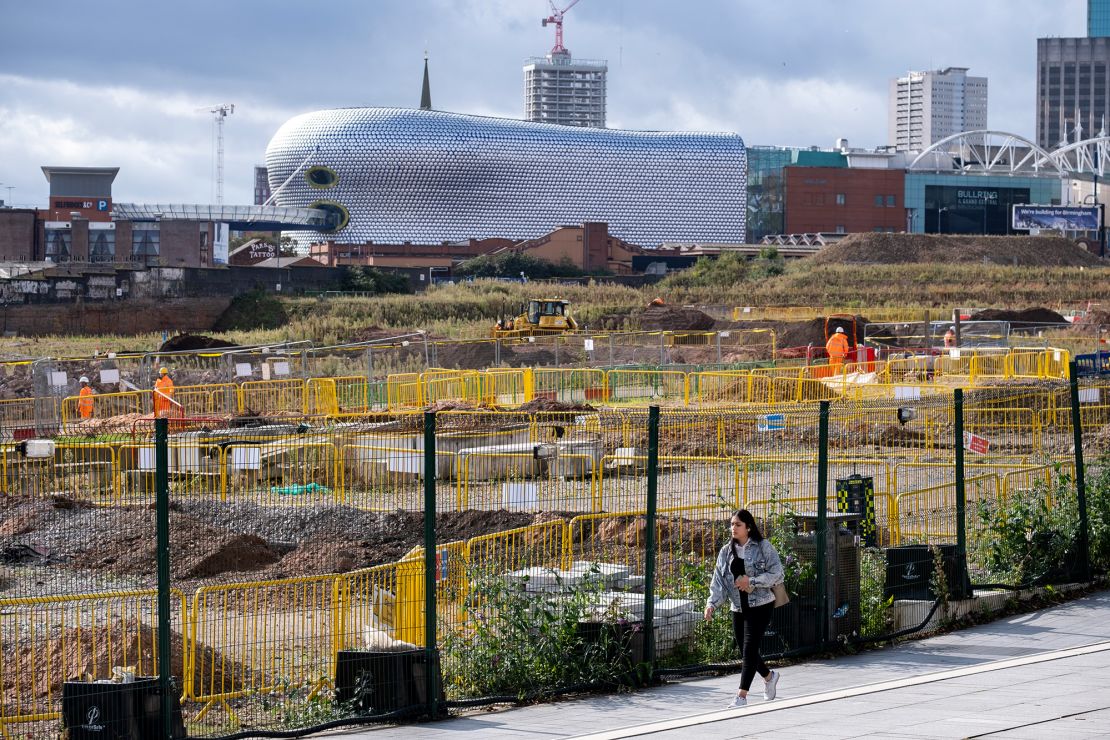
998, 700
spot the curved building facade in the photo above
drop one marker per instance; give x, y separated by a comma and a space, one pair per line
392, 175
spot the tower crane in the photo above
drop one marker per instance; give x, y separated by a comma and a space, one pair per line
556, 18
219, 113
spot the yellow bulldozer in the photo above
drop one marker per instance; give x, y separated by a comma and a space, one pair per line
542, 316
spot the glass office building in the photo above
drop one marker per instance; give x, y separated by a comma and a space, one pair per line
392, 175
1098, 18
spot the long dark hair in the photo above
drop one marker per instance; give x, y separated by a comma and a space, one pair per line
753, 529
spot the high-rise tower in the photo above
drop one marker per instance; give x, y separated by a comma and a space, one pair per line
926, 107
559, 89
1073, 87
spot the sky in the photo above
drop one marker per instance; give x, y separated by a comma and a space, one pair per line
128, 84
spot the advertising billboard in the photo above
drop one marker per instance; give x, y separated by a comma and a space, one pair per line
1058, 218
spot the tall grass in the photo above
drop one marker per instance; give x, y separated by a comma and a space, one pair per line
469, 310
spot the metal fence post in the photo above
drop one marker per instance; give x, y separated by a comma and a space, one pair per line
1080, 477
649, 555
820, 536
162, 504
961, 490
430, 654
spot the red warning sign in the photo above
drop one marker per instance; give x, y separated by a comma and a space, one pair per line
975, 443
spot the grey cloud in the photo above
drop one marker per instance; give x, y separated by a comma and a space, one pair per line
793, 72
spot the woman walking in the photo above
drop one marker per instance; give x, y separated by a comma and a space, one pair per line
747, 567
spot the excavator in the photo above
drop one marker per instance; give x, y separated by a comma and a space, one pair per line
542, 316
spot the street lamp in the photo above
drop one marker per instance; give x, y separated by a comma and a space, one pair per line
940, 222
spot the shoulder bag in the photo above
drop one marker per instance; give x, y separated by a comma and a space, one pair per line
782, 598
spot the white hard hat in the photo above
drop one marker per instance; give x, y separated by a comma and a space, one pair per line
84, 379
951, 328
840, 330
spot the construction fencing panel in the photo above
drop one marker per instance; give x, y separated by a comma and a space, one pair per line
327, 566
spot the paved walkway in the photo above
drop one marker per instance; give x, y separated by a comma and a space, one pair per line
1045, 674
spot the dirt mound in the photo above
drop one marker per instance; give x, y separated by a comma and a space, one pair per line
1019, 251
77, 651
675, 318
121, 424
374, 333
185, 342
1026, 318
804, 333
549, 404
199, 549
467, 355
325, 555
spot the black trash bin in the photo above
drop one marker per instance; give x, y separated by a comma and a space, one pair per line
117, 711
148, 708
99, 711
379, 682
909, 573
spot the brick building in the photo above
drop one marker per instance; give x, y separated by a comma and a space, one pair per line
844, 200
590, 247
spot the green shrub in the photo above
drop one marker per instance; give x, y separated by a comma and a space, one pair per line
512, 264
875, 609
522, 643
1030, 537
371, 280
720, 272
781, 529
256, 309
1098, 513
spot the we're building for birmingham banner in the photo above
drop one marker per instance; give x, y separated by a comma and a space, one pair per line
1060, 218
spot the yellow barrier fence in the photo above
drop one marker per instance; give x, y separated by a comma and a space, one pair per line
283, 471
272, 397
929, 513
52, 639
80, 471
641, 386
385, 476
105, 405
571, 385
544, 545
522, 481
404, 391
683, 481
262, 636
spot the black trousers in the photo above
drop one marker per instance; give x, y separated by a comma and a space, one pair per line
748, 628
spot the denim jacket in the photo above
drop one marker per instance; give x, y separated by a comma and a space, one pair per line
761, 565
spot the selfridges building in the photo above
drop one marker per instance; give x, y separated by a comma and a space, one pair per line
392, 175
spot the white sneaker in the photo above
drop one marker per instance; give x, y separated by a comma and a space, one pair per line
770, 687
738, 702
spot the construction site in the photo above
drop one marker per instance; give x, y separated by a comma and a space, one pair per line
577, 458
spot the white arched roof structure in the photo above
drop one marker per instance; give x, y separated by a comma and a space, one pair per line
1083, 157
987, 152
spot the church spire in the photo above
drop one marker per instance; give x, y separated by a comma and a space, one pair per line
426, 90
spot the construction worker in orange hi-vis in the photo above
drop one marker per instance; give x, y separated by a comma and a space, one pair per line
163, 393
837, 347
85, 404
